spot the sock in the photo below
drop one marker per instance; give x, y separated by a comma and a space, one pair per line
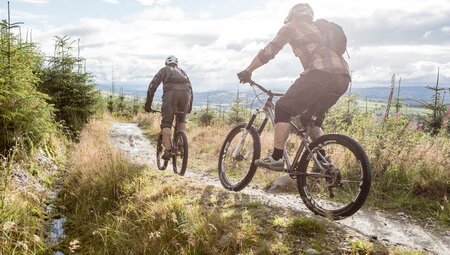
277, 154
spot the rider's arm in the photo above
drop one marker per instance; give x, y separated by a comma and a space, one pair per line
152, 86
192, 93
269, 52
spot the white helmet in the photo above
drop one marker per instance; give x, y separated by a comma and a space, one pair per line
299, 10
171, 60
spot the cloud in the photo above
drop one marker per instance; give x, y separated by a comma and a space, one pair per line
385, 37
110, 1
445, 29
35, 1
153, 2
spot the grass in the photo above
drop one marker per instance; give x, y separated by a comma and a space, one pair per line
116, 207
24, 185
410, 168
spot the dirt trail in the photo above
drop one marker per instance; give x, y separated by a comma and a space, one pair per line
389, 229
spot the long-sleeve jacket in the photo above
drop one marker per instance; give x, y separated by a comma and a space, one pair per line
304, 38
173, 78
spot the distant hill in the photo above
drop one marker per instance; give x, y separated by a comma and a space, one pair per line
408, 94
411, 95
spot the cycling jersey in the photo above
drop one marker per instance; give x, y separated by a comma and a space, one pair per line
304, 38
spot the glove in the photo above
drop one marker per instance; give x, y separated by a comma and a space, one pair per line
148, 107
244, 76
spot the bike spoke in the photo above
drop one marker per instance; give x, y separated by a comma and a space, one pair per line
337, 182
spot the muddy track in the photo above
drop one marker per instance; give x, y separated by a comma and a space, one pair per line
393, 230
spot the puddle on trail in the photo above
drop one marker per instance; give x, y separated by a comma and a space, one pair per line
55, 225
377, 225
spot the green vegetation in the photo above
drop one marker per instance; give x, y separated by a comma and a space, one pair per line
32, 144
26, 119
71, 91
115, 206
122, 106
434, 121
410, 167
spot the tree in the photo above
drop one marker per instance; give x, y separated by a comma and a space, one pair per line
72, 92
26, 119
433, 121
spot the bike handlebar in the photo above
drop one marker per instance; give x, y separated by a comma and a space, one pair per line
267, 91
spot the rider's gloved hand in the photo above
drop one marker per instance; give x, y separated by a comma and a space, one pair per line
148, 107
244, 76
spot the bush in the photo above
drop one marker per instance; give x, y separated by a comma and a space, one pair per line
205, 117
409, 167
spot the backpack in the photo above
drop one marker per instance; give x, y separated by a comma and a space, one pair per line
333, 36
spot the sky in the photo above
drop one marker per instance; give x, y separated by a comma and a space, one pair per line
213, 40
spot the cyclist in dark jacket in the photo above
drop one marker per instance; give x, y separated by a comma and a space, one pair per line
177, 97
325, 77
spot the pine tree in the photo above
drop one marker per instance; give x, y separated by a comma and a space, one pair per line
433, 121
26, 119
72, 92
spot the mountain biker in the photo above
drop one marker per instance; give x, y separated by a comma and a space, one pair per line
326, 73
177, 97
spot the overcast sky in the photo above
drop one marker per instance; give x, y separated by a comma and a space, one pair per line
215, 39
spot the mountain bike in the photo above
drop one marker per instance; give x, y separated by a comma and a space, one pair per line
333, 172
179, 149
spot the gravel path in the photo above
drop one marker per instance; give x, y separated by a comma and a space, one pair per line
390, 229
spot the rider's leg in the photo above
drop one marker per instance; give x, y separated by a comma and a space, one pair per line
280, 137
181, 126
282, 128
166, 132
316, 132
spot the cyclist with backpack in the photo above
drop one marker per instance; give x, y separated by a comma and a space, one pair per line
177, 97
319, 46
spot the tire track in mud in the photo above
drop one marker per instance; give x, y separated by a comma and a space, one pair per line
402, 232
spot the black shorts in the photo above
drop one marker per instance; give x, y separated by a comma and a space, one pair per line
312, 93
174, 101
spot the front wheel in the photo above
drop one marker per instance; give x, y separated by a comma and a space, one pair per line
334, 176
236, 159
161, 163
180, 153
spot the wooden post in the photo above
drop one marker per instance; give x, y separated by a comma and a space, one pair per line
388, 106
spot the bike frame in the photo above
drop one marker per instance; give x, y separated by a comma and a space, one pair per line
269, 111
175, 128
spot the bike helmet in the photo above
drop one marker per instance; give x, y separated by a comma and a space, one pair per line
171, 60
299, 10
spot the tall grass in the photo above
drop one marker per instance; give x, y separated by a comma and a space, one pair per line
116, 207
410, 167
25, 182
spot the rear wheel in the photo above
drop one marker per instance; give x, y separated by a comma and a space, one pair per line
335, 176
236, 159
180, 151
161, 163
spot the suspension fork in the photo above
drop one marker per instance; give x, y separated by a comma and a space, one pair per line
245, 130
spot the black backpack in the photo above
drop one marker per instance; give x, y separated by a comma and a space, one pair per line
333, 36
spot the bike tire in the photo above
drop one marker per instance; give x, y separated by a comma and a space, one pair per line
161, 163
350, 165
225, 171
181, 152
